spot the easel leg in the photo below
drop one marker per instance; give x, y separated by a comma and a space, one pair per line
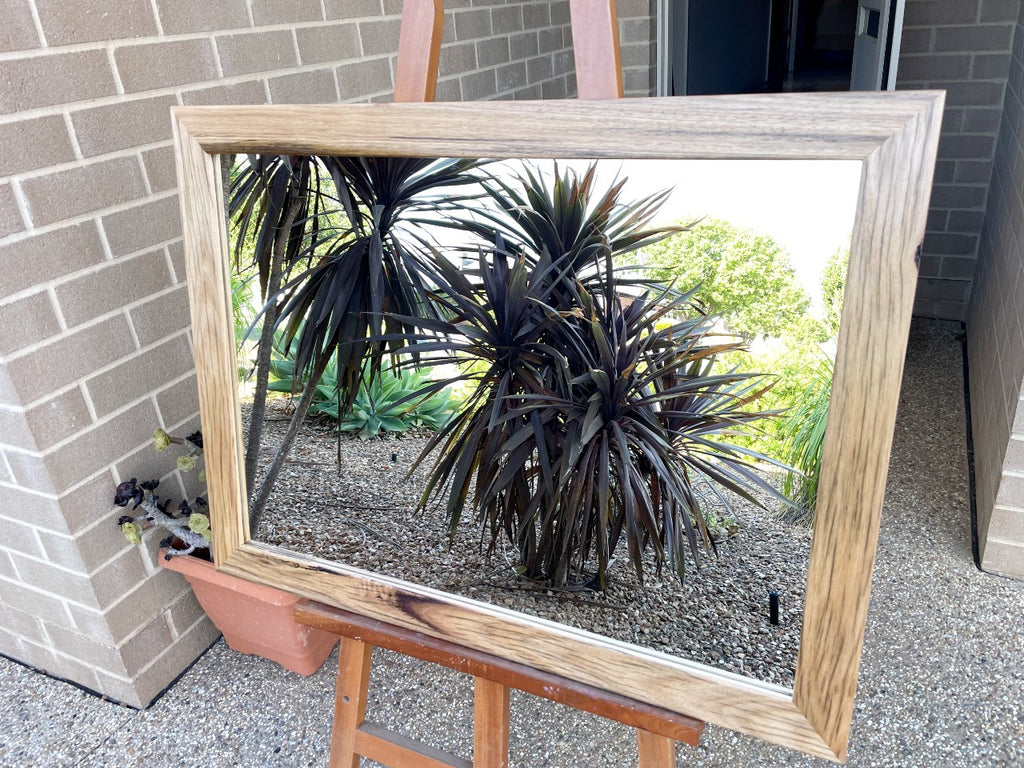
349, 701
655, 751
490, 724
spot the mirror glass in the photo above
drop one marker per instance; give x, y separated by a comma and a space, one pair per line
750, 255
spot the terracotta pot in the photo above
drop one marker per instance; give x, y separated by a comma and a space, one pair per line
255, 618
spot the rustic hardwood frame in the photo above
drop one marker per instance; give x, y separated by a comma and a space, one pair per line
894, 135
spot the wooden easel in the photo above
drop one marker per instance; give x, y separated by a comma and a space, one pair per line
353, 736
598, 76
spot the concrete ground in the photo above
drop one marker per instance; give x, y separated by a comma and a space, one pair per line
941, 682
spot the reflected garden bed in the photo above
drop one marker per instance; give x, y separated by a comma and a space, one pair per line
364, 515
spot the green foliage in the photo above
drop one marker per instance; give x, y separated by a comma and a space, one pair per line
804, 435
739, 275
833, 280
593, 412
394, 400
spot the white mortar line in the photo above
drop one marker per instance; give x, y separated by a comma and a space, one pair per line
89, 405
72, 136
23, 208
38, 23
62, 322
118, 85
156, 17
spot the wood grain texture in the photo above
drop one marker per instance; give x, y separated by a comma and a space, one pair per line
895, 137
350, 694
419, 50
595, 45
630, 712
655, 751
896, 183
209, 290
393, 749
490, 724
798, 125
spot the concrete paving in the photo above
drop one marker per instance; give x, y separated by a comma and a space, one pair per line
941, 682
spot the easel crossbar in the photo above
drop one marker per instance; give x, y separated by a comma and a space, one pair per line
631, 712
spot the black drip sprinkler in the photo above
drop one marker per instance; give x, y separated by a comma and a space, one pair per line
773, 608
394, 458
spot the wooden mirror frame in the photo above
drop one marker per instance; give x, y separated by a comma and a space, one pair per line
894, 135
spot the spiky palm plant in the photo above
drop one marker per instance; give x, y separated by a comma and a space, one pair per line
593, 409
362, 274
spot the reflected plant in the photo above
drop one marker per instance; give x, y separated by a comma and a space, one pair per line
803, 440
594, 411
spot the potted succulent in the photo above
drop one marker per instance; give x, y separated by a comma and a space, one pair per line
253, 618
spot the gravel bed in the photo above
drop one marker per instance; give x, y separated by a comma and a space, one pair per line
364, 515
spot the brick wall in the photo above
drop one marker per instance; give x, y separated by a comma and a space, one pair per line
638, 46
962, 46
94, 344
996, 343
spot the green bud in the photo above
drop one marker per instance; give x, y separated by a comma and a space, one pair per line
202, 475
161, 440
200, 523
186, 463
132, 532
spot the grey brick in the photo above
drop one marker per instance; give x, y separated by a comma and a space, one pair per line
97, 447
143, 225
915, 41
148, 66
630, 8
41, 258
524, 45
943, 290
83, 189
977, 38
60, 78
352, 9
68, 23
492, 52
379, 36
249, 52
966, 221
11, 220
126, 124
178, 402
27, 321
936, 220
78, 507
357, 80
982, 120
58, 418
536, 15
29, 144
448, 90
973, 172
550, 40
927, 68
965, 147
972, 94
958, 196
999, 10
457, 59
553, 89
119, 282
18, 32
539, 68
60, 363
249, 92
136, 377
181, 18
933, 13
506, 19
479, 86
560, 11
958, 268
328, 43
511, 76
160, 170
950, 243
161, 316
316, 87
15, 432
473, 25
991, 65
285, 11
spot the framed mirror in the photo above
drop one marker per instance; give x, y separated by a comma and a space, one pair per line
892, 137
